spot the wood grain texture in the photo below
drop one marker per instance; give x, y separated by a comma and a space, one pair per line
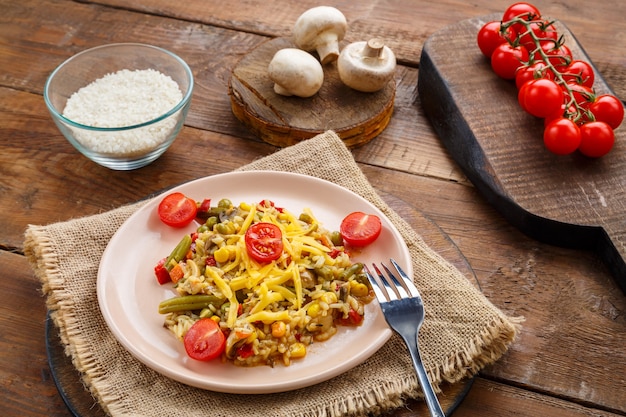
570, 355
571, 200
356, 117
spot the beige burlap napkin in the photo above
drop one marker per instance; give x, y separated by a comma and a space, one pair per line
462, 333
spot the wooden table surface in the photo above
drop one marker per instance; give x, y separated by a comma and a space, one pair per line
570, 359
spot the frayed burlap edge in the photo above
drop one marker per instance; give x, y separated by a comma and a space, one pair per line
384, 398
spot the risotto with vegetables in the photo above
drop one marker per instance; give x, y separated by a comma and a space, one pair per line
257, 285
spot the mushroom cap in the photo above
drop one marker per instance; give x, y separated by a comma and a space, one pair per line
295, 72
318, 27
366, 66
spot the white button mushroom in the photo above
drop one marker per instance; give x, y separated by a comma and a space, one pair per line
320, 29
366, 66
295, 73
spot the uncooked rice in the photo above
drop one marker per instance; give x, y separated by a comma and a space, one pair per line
124, 98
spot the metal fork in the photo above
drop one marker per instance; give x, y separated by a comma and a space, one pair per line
403, 309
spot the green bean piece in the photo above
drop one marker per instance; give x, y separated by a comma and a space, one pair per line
324, 272
179, 252
354, 269
189, 302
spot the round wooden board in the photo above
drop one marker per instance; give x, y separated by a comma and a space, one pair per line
356, 117
81, 404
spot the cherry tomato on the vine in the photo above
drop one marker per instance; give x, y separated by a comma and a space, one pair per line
579, 72
489, 37
562, 136
597, 139
543, 30
559, 56
581, 94
523, 10
541, 97
532, 72
506, 59
609, 109
177, 210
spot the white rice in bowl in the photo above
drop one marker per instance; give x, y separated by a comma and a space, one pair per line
124, 98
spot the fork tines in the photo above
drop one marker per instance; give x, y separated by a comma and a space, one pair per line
390, 287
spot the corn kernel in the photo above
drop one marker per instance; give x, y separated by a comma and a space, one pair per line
314, 310
358, 289
222, 254
279, 328
216, 319
329, 297
297, 350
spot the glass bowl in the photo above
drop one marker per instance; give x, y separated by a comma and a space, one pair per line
118, 104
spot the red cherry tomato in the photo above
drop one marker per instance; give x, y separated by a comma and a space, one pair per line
582, 95
522, 10
543, 31
177, 210
264, 242
204, 340
607, 108
560, 56
541, 97
579, 72
532, 72
489, 37
561, 136
360, 229
506, 59
597, 139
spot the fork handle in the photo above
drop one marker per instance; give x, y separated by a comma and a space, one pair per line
431, 399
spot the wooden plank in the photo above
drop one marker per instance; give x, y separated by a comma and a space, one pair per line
408, 142
406, 24
575, 330
571, 200
27, 383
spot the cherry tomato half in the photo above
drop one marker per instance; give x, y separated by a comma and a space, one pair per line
204, 340
561, 136
360, 229
177, 210
264, 242
541, 97
506, 59
607, 108
489, 37
597, 139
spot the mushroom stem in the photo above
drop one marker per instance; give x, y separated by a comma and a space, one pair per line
328, 47
374, 48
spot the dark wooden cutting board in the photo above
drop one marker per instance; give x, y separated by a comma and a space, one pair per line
570, 201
